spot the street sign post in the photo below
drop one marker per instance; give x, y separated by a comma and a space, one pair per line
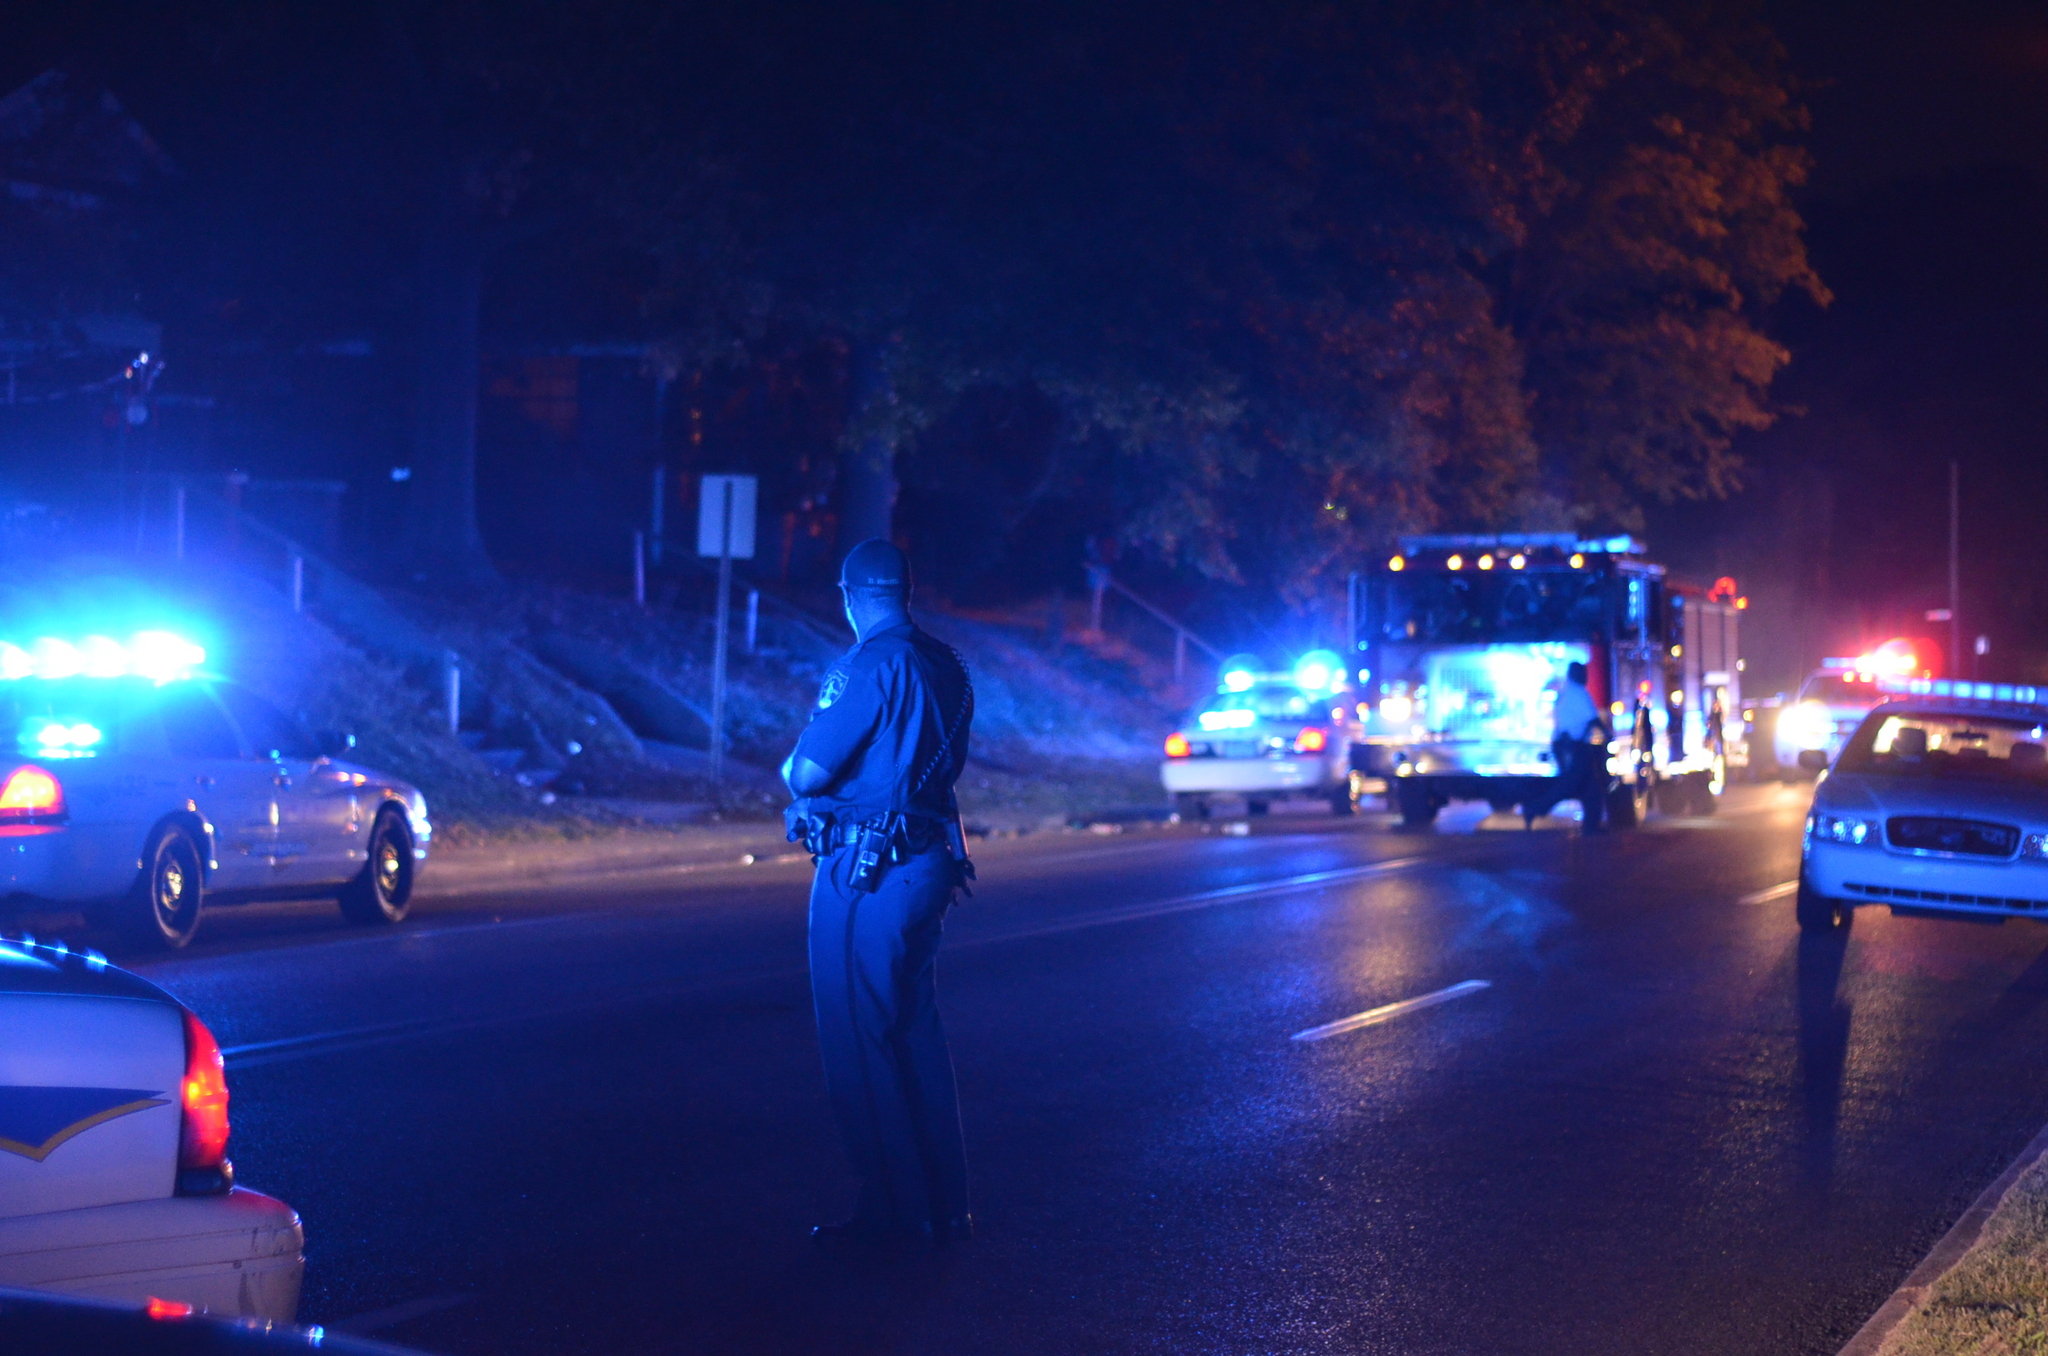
725, 529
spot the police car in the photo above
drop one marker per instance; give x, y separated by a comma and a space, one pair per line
1938, 803
1266, 737
1835, 697
114, 1175
135, 788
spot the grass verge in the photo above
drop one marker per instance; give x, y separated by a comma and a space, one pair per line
1994, 1301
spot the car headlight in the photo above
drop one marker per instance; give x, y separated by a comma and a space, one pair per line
1833, 828
1397, 709
2034, 847
1807, 725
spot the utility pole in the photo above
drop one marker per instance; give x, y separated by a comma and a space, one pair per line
1955, 577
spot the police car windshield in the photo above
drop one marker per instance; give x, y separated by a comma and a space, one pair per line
1947, 745
1836, 689
66, 717
1265, 701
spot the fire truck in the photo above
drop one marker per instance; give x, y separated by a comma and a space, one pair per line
1461, 642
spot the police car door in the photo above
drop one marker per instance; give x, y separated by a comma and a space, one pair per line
236, 792
319, 818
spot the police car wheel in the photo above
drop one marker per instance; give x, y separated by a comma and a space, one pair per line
1188, 805
382, 891
1817, 913
162, 911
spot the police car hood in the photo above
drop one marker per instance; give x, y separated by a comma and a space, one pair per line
1955, 798
372, 779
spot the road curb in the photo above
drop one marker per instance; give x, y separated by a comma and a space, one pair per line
1914, 1290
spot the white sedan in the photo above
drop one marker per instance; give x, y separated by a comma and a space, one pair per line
138, 799
1263, 742
114, 1176
1938, 803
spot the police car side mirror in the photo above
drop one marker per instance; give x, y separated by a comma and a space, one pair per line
334, 743
1814, 760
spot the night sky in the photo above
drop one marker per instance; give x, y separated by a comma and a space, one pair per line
1928, 216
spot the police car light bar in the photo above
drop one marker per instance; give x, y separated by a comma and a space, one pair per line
2015, 693
157, 656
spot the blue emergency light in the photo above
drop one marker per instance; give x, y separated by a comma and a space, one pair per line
2015, 693
157, 656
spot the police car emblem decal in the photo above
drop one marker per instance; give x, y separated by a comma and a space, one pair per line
834, 689
35, 1121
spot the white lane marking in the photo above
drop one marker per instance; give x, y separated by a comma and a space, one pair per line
291, 1042
1782, 890
1201, 900
378, 1319
290, 1049
1374, 1016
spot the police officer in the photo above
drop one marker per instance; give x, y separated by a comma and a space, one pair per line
1580, 747
873, 774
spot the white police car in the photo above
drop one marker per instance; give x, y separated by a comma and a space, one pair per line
136, 789
114, 1175
1266, 737
1938, 803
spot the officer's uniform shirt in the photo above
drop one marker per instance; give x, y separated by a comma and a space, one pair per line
1576, 711
893, 709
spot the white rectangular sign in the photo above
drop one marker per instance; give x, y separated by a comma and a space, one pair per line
725, 516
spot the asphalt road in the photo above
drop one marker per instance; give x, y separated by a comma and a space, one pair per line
589, 1118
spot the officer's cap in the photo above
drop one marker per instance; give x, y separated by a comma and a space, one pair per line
875, 564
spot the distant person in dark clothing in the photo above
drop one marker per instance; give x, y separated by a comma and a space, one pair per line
873, 774
1580, 748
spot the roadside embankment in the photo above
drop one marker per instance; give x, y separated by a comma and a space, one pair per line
1983, 1291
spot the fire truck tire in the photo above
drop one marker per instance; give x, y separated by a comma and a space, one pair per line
1816, 913
1705, 798
1416, 806
1621, 806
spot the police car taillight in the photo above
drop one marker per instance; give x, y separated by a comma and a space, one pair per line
203, 1099
30, 795
1177, 745
1312, 740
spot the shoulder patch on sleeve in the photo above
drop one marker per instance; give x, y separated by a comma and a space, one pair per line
834, 688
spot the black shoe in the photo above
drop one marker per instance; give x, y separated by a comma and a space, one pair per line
859, 1235
952, 1231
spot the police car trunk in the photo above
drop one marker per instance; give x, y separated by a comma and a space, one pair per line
114, 1180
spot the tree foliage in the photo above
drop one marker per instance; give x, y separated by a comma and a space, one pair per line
1283, 279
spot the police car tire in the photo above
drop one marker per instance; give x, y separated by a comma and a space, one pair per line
171, 865
1817, 913
382, 895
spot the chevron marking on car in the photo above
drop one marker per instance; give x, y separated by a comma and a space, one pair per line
34, 1121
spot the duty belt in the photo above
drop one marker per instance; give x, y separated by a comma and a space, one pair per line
917, 833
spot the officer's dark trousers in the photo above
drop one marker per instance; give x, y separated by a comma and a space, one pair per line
1584, 768
874, 984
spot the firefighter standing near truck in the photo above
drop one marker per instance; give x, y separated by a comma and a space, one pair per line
873, 774
1580, 747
